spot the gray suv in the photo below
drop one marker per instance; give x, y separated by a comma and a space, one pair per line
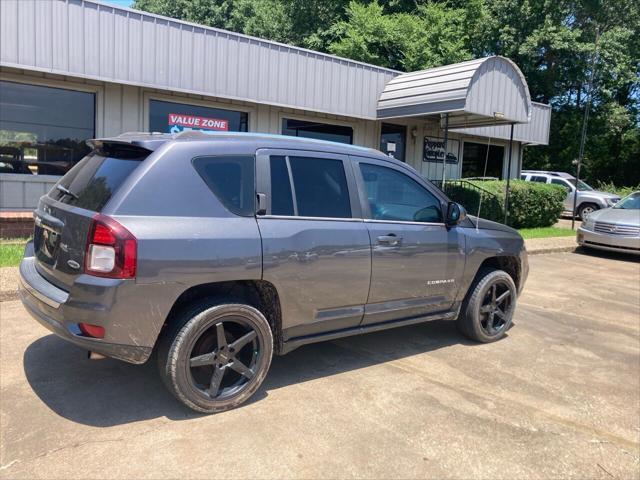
215, 252
588, 200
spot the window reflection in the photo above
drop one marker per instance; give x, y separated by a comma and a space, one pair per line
320, 131
43, 129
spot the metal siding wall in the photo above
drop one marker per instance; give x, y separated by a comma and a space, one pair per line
91, 40
535, 132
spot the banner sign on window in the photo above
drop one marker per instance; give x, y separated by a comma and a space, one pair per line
191, 122
433, 150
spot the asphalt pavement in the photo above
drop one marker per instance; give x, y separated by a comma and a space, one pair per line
559, 397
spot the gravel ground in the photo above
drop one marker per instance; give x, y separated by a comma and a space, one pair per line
8, 283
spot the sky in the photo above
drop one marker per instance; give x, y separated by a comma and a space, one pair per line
119, 3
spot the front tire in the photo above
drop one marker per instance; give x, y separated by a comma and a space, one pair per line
216, 356
487, 310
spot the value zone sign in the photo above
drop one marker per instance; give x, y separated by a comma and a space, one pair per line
189, 122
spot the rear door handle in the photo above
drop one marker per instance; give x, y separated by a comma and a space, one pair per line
390, 240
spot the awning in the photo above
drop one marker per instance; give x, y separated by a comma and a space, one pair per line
482, 92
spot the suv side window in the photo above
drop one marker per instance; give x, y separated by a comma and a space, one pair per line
392, 195
281, 195
562, 183
319, 189
232, 180
538, 178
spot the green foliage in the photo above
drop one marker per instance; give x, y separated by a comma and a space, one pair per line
531, 204
432, 35
553, 43
11, 253
546, 232
611, 188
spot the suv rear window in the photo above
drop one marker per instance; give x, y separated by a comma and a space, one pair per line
231, 179
92, 182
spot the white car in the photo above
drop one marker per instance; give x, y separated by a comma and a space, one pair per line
615, 229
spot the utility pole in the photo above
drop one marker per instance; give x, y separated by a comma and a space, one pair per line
583, 137
506, 195
446, 147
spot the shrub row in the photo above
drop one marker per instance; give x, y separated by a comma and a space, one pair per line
611, 188
530, 204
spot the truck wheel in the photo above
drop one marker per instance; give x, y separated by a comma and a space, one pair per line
216, 356
488, 308
586, 209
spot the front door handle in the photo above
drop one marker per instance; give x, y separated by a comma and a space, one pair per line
390, 240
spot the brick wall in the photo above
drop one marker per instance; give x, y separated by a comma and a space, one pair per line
16, 224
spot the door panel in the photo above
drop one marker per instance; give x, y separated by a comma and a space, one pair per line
316, 248
417, 261
321, 270
418, 275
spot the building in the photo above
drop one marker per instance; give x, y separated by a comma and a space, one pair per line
77, 69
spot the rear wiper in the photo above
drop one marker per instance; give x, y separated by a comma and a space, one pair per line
66, 191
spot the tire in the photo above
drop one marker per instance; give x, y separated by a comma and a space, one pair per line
478, 318
586, 209
216, 355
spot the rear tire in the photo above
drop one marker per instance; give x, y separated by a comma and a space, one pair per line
487, 310
216, 356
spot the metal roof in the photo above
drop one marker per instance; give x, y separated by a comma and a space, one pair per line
93, 40
485, 91
536, 132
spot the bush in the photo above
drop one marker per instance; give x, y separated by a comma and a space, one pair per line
531, 204
611, 188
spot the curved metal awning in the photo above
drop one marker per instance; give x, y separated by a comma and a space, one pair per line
481, 92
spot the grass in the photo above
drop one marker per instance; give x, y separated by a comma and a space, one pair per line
11, 251
546, 232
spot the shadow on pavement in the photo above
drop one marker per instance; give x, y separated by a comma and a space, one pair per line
109, 392
621, 257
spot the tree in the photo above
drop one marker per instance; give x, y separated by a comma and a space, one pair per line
552, 41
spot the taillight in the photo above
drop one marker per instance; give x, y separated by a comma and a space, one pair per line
111, 249
89, 330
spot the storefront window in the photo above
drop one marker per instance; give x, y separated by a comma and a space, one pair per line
320, 131
171, 117
393, 140
474, 157
43, 129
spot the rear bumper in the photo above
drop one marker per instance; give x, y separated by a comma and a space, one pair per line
48, 305
613, 243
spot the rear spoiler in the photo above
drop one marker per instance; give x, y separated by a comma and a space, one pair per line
142, 140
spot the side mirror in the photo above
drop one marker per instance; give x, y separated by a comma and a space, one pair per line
455, 213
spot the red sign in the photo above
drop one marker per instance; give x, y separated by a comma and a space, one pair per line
203, 123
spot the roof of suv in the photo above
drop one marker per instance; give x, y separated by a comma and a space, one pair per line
154, 140
551, 174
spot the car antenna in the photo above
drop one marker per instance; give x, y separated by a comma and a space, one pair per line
484, 175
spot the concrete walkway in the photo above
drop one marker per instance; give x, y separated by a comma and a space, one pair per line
550, 245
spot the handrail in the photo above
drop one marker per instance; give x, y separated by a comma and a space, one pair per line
488, 202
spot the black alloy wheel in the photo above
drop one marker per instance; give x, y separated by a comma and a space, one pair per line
495, 306
487, 310
224, 358
215, 356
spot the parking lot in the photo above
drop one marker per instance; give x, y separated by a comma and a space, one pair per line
560, 396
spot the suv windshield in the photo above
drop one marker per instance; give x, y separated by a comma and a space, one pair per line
582, 187
630, 202
92, 182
